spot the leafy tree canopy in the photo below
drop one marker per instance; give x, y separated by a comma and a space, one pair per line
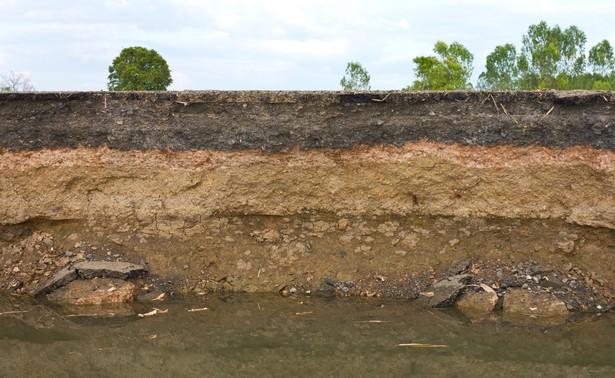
139, 69
356, 78
450, 69
550, 58
601, 58
502, 69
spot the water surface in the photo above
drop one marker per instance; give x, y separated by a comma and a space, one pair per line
267, 335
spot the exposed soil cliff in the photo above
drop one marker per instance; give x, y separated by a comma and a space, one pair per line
262, 191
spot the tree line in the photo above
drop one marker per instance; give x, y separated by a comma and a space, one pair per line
549, 58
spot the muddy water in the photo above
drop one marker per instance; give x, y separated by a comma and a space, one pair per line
267, 335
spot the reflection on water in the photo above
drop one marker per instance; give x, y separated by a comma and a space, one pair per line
256, 335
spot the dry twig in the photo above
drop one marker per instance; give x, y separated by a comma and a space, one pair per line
547, 113
381, 100
13, 312
510, 115
420, 345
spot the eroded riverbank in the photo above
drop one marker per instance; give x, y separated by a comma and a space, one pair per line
337, 194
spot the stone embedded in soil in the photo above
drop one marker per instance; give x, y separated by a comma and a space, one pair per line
522, 301
98, 291
446, 291
478, 303
109, 269
91, 269
459, 267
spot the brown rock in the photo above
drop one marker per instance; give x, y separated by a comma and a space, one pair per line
522, 301
479, 303
98, 291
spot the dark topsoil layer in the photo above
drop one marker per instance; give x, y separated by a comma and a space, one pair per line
275, 121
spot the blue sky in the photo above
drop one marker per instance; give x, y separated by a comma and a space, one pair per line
268, 44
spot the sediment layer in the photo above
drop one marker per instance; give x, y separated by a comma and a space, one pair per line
576, 184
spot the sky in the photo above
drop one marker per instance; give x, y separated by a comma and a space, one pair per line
269, 44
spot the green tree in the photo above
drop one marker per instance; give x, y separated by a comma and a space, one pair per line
550, 57
450, 69
502, 70
601, 58
139, 69
356, 78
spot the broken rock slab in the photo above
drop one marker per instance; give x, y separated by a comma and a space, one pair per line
90, 269
109, 269
444, 293
61, 278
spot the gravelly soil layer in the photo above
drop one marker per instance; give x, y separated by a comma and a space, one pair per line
275, 121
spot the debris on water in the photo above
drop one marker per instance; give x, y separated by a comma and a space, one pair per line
159, 298
198, 309
14, 312
155, 311
372, 321
421, 345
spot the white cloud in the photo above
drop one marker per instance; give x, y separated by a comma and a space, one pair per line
312, 48
117, 3
395, 58
227, 19
219, 34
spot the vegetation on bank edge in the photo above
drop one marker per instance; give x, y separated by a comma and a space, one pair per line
549, 58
